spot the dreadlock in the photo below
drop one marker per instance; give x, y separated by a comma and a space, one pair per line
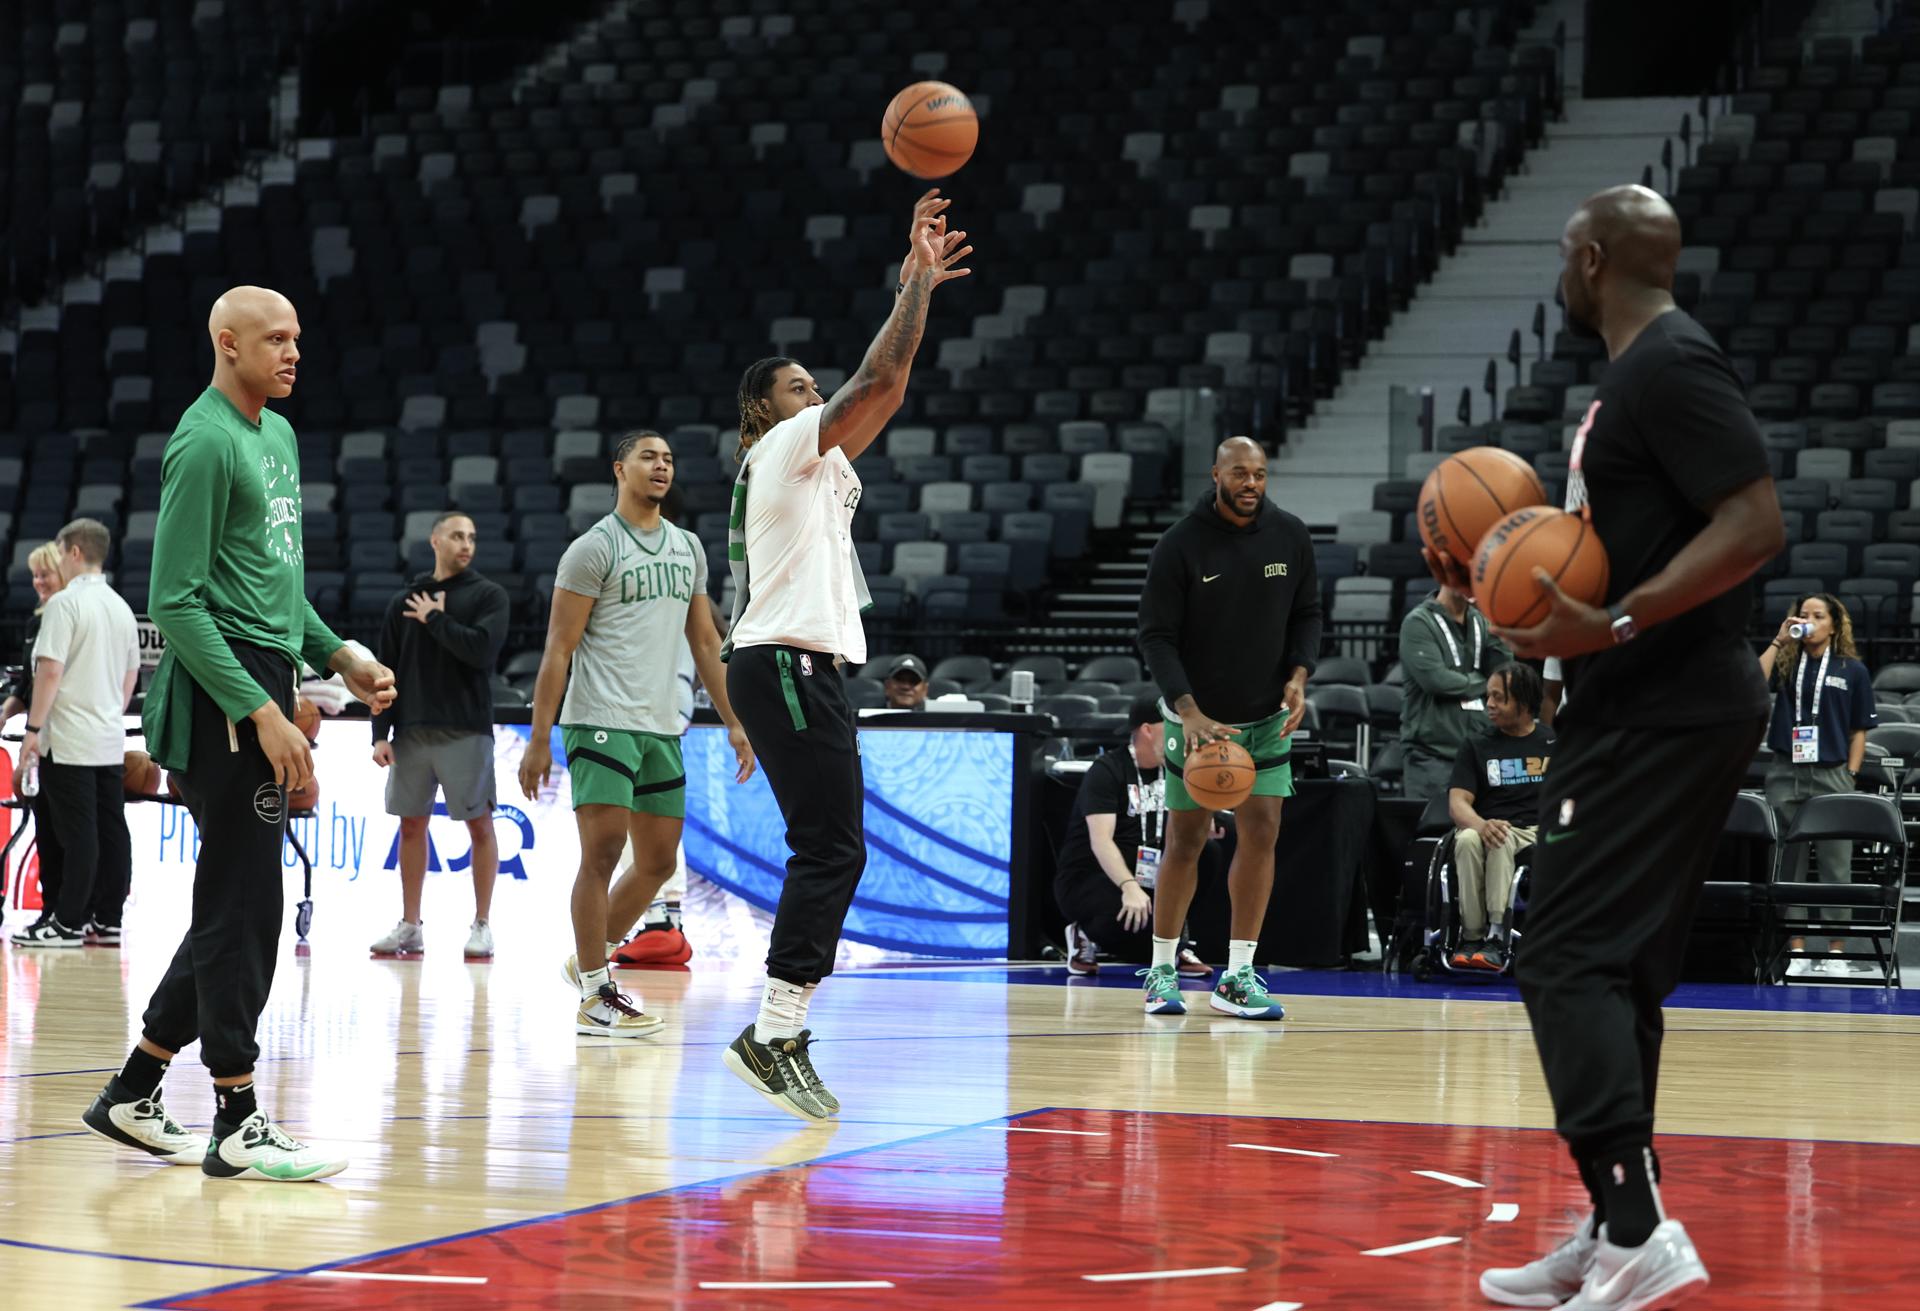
756, 414
624, 447
1841, 643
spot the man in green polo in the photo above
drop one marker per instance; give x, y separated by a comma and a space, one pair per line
623, 600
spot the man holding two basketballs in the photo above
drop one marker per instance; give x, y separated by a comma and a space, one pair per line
1668, 470
1230, 626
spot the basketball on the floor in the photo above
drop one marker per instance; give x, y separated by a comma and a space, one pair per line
930, 129
303, 801
1218, 775
139, 775
1539, 537
306, 718
1468, 493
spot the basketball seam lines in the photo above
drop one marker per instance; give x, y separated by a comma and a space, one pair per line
1512, 546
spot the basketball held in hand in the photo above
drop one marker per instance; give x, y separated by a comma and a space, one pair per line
930, 130
1468, 493
306, 718
139, 776
1219, 775
1539, 537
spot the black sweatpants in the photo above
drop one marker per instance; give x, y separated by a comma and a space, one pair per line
217, 983
88, 807
1628, 823
793, 705
51, 855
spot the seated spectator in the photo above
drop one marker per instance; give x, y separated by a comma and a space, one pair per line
1107, 862
906, 684
1447, 650
1818, 736
1494, 799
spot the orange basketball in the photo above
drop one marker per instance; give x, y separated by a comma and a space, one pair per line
1539, 537
1469, 493
930, 129
306, 718
1219, 775
305, 800
140, 777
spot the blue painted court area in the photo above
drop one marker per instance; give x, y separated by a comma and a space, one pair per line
1371, 983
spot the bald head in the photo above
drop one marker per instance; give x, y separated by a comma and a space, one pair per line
256, 346
1638, 230
1239, 479
1236, 449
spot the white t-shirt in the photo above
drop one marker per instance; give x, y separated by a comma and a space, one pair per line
91, 632
800, 584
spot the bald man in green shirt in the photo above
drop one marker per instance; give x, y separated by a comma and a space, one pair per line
229, 595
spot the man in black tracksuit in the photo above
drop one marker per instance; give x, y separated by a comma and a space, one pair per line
1230, 626
442, 635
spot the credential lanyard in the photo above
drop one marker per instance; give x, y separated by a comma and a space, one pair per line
1453, 647
1149, 829
1800, 715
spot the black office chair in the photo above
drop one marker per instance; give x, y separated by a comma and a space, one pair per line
1868, 907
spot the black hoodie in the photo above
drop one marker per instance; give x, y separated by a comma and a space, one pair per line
1229, 612
443, 669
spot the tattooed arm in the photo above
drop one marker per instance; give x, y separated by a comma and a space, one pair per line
866, 401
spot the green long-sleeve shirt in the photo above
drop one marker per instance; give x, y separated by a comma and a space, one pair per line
228, 565
1440, 673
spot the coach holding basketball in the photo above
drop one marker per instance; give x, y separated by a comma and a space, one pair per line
1230, 626
228, 594
1664, 709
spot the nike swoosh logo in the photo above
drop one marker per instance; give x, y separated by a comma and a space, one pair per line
1209, 578
1551, 838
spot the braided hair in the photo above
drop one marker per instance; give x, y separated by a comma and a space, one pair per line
624, 446
756, 387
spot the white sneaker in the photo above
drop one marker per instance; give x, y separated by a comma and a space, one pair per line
404, 940
1549, 1281
613, 1014
1803, 969
1661, 1272
480, 941
145, 1126
261, 1149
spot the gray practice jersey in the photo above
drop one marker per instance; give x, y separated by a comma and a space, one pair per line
626, 670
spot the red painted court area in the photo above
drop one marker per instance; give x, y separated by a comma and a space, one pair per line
1003, 1216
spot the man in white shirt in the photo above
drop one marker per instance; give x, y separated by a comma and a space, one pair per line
85, 664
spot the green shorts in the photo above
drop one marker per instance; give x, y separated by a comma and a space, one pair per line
1273, 771
640, 772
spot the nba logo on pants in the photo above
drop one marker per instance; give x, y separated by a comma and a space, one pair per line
806, 664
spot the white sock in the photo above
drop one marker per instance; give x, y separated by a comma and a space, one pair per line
783, 1011
806, 1000
1164, 950
591, 981
611, 948
1240, 953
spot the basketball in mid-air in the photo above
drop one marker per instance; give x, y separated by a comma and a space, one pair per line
1469, 493
930, 129
1542, 537
1219, 775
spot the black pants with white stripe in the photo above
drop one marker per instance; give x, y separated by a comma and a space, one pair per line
793, 704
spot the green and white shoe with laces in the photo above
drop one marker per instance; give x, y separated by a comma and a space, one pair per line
1163, 991
1243, 995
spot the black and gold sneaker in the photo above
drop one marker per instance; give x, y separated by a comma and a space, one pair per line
779, 1072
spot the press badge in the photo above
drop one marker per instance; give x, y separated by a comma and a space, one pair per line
1806, 744
1473, 703
1146, 867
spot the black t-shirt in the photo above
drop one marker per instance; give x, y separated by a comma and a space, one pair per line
1846, 706
1504, 774
1667, 435
1136, 798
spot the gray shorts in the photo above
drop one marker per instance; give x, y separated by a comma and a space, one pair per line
453, 761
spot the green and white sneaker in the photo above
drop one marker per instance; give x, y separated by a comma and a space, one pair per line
261, 1149
1243, 995
1163, 991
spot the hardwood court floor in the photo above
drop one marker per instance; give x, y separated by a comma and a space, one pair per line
1004, 1141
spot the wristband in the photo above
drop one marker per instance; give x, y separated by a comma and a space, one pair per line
32, 728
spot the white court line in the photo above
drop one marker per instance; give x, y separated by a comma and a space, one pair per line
1195, 1273
1453, 1179
1503, 1212
1015, 1128
1281, 1306
718, 1285
396, 1279
1399, 1249
1289, 1151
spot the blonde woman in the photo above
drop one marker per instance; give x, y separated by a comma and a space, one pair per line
47, 579
1822, 708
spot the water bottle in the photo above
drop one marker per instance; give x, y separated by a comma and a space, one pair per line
27, 783
1799, 632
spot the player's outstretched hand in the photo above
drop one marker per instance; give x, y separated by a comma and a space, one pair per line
931, 246
742, 753
1571, 628
535, 765
1199, 729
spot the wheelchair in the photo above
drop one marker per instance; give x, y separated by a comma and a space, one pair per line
1440, 929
